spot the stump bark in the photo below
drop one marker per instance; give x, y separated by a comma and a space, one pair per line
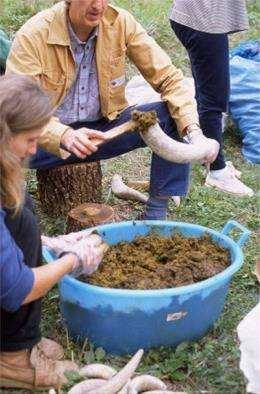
89, 215
62, 188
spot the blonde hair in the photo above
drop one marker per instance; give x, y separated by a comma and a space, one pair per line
24, 107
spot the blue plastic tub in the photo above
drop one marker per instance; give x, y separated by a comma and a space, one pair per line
122, 321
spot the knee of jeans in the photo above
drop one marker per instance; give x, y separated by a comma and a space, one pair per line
43, 159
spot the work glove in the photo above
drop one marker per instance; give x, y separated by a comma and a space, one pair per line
69, 239
89, 251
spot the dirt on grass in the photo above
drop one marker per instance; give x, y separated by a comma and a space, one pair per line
155, 262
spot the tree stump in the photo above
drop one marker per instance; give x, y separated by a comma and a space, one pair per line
62, 188
89, 215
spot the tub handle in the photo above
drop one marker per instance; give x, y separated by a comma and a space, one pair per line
233, 224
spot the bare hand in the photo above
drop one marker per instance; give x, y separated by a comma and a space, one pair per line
211, 147
79, 141
208, 146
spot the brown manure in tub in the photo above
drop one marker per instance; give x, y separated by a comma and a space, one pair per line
155, 262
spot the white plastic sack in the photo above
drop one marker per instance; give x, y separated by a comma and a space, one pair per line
139, 92
249, 335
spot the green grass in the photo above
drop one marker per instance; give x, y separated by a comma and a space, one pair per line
212, 363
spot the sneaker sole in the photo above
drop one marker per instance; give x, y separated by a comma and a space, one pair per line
225, 191
8, 384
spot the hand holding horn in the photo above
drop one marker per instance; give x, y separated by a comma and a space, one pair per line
200, 149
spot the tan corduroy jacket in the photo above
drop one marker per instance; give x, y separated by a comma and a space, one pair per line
42, 49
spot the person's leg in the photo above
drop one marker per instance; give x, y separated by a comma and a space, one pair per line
166, 178
208, 55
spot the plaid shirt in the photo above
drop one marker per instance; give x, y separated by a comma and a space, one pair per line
82, 102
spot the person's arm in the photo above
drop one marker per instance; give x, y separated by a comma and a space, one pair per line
157, 68
21, 284
83, 253
81, 256
46, 276
16, 277
25, 58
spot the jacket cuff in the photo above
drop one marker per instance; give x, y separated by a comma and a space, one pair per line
183, 123
50, 140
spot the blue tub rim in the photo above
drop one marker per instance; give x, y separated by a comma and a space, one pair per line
181, 290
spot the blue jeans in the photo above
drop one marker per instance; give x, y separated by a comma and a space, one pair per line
209, 58
166, 178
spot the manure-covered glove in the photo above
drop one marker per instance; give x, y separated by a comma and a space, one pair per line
89, 250
62, 240
208, 146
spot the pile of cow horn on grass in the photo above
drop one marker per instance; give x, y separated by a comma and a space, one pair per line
102, 379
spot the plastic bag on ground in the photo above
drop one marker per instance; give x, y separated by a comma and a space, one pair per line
248, 334
245, 96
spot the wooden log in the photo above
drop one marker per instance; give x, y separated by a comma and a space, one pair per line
89, 215
62, 188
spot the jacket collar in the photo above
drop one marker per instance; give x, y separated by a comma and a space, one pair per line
58, 30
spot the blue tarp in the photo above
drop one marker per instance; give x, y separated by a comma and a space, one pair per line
245, 96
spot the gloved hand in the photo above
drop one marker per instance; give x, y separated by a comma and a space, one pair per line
89, 250
208, 146
62, 240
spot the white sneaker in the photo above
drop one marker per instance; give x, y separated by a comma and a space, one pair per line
227, 181
177, 200
233, 169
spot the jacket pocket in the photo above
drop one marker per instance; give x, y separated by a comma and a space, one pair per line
117, 66
117, 98
54, 84
117, 81
53, 80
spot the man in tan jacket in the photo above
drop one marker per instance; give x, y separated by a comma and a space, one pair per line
77, 51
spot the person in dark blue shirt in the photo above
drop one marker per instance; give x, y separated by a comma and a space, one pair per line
27, 360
